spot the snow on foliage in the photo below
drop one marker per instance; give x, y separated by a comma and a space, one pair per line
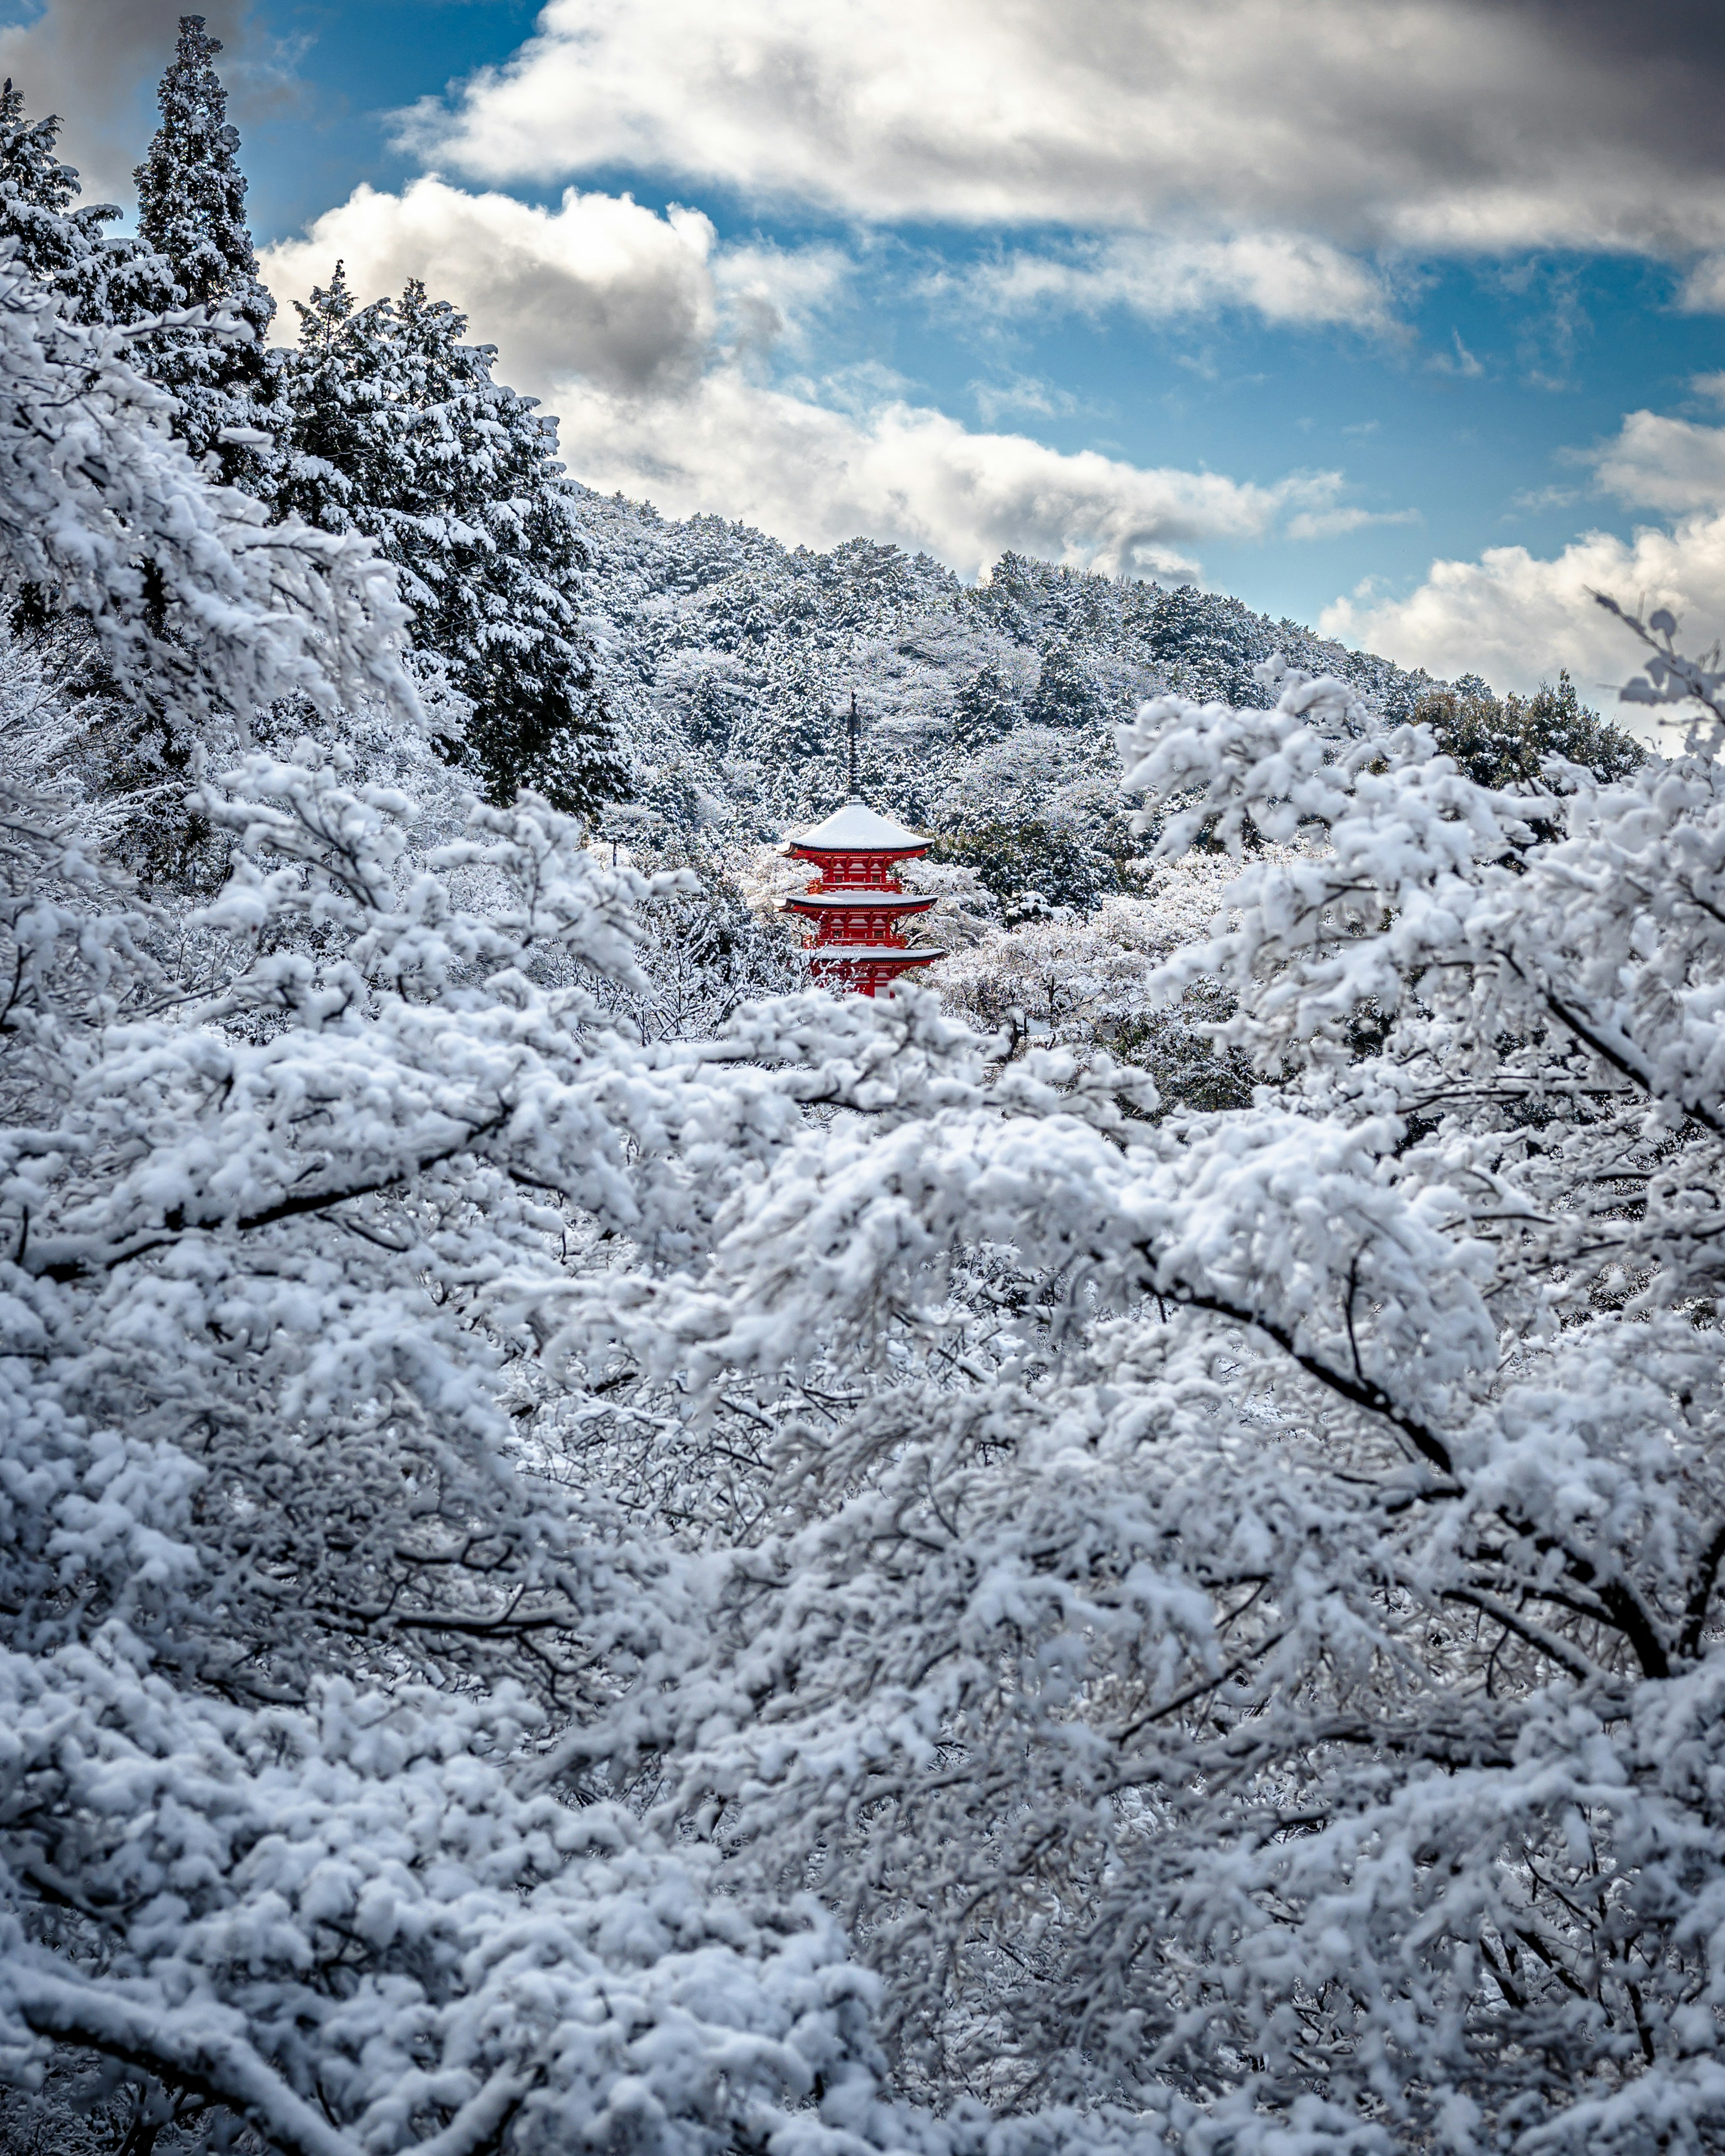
194, 596
398, 432
594, 1552
732, 657
810, 1589
1251, 1629
191, 224
290, 1621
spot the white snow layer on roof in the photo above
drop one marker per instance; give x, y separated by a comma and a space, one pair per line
855, 826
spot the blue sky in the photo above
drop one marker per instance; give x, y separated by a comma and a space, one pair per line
1399, 314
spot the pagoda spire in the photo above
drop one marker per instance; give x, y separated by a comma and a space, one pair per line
853, 730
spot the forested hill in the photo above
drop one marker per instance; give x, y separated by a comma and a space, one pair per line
731, 659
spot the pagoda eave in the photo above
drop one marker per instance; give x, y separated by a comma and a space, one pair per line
865, 901
875, 954
824, 856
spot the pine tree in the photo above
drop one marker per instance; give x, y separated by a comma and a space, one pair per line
1193, 632
192, 213
400, 432
1504, 741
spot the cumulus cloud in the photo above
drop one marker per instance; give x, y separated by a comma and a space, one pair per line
650, 343
1516, 618
1437, 124
1285, 278
1656, 463
599, 286
812, 472
87, 59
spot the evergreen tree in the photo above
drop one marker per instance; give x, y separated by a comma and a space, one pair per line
346, 448
1504, 741
1196, 634
99, 277
984, 709
1030, 864
400, 432
192, 213
52, 240
1066, 693
1009, 597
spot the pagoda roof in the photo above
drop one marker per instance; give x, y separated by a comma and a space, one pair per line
898, 954
862, 898
856, 829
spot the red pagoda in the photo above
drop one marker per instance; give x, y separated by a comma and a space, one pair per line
857, 904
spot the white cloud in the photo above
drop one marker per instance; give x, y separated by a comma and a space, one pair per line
1516, 618
648, 341
1285, 277
1439, 124
812, 474
773, 296
1335, 523
1703, 291
1464, 363
599, 287
1656, 463
1023, 392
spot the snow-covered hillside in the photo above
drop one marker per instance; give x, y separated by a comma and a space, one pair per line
732, 658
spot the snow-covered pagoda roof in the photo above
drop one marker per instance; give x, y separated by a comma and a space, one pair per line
856, 829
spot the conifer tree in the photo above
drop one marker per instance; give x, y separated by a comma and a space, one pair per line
1505, 741
37, 193
984, 709
192, 213
400, 432
100, 278
1190, 629
1066, 693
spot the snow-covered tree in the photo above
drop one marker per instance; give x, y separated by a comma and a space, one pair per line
287, 1628
102, 277
1086, 980
1065, 695
984, 709
192, 216
1247, 1633
401, 434
196, 599
588, 1563
1507, 740
51, 240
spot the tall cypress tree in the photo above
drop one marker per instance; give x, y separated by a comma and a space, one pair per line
192, 213
400, 431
